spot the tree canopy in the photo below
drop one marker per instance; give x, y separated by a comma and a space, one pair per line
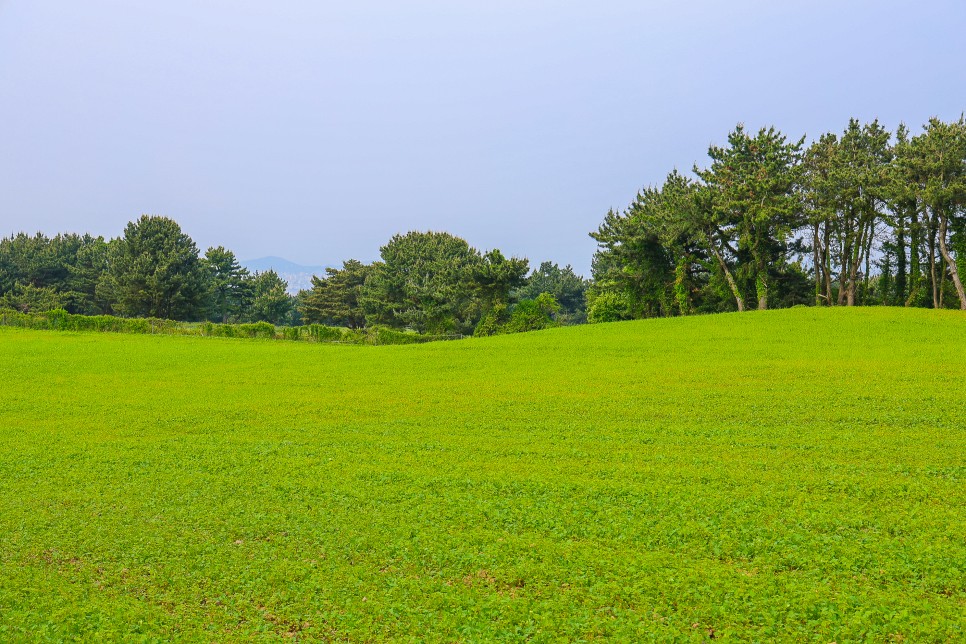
861, 217
866, 217
424, 282
153, 270
336, 300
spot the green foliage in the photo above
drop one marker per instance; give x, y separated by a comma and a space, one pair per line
27, 298
649, 481
258, 330
262, 330
68, 265
270, 301
533, 315
374, 335
632, 264
335, 300
493, 322
60, 320
568, 288
847, 184
936, 161
230, 290
855, 219
496, 277
321, 333
424, 282
752, 187
154, 271
527, 315
607, 306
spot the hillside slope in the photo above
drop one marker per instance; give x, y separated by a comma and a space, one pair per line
795, 474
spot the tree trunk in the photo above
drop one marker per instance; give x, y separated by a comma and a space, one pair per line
682, 293
942, 286
900, 259
846, 253
855, 260
915, 263
827, 260
953, 269
761, 285
817, 261
932, 266
727, 273
868, 258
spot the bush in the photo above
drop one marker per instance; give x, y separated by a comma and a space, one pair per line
256, 330
493, 322
61, 320
608, 307
322, 333
385, 335
57, 319
528, 315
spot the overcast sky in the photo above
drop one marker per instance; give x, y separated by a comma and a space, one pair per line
316, 130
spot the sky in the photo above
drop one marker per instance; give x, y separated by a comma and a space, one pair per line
316, 130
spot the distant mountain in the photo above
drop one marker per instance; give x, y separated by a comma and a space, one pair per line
298, 277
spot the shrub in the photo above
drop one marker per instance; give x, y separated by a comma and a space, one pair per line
59, 319
492, 322
608, 307
322, 333
256, 330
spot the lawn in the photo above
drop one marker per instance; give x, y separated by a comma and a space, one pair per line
791, 475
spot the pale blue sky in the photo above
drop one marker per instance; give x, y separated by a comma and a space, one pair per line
316, 130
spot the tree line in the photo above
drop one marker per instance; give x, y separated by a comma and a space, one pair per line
864, 217
153, 270
430, 282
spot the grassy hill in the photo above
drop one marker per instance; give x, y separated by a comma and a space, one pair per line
795, 474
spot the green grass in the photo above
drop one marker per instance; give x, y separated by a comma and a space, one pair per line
791, 475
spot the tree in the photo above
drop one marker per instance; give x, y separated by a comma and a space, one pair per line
424, 282
89, 262
496, 277
230, 289
270, 301
753, 183
28, 298
533, 315
848, 186
30, 261
526, 315
568, 288
819, 200
335, 300
69, 265
607, 306
665, 255
903, 217
154, 271
631, 262
686, 227
936, 159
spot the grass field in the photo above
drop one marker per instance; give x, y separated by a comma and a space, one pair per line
790, 475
